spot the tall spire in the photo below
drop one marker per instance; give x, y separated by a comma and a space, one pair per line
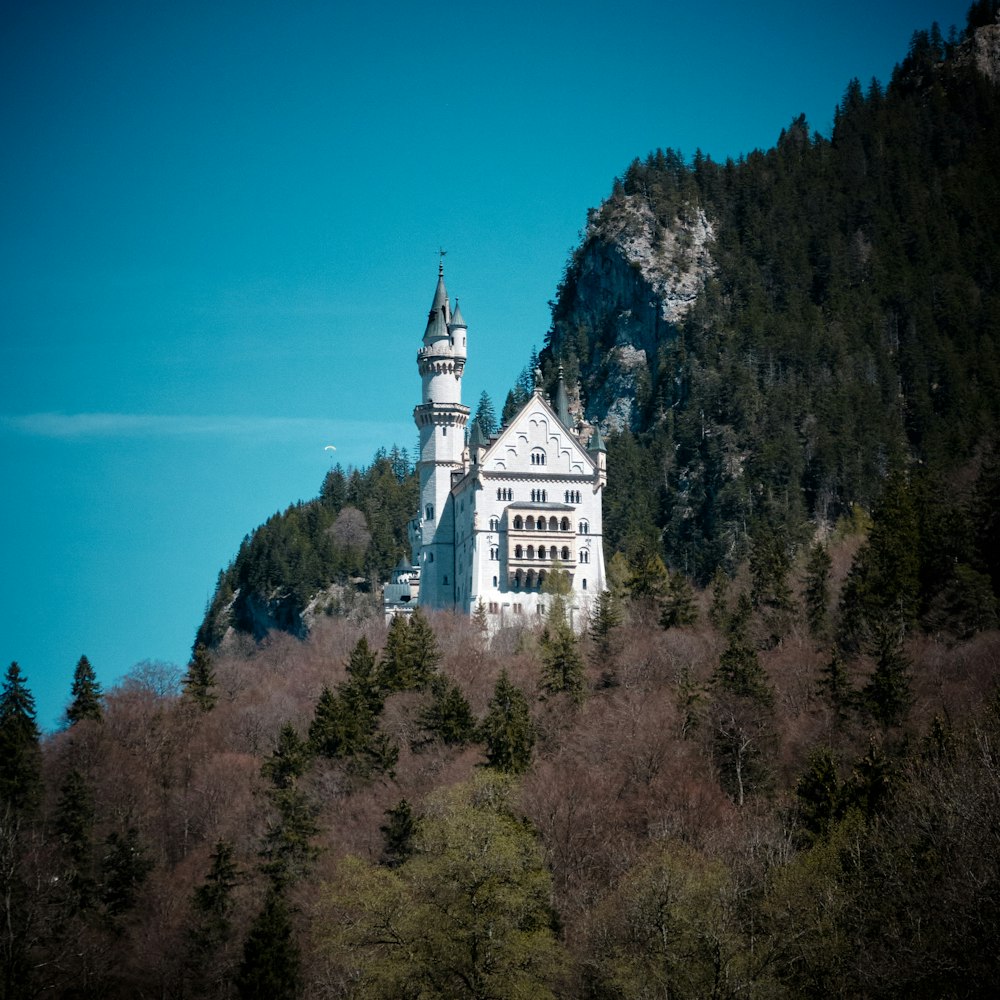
562, 401
440, 313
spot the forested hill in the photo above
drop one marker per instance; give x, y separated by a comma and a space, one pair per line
773, 335
766, 339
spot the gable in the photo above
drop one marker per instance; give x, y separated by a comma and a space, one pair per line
537, 431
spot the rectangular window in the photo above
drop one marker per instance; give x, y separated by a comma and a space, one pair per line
517, 609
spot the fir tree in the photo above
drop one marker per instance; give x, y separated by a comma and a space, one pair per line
486, 416
507, 729
607, 616
289, 760
817, 590
270, 969
397, 834
449, 716
739, 670
20, 756
199, 681
74, 826
86, 694
818, 796
562, 664
125, 866
424, 655
678, 606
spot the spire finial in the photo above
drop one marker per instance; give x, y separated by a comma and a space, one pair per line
441, 256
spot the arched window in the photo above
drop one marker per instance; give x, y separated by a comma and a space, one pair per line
553, 524
564, 524
553, 553
494, 524
494, 581
530, 523
430, 557
531, 551
584, 583
429, 512
565, 553
584, 528
541, 524
584, 556
518, 552
537, 456
518, 577
530, 580
541, 580
518, 523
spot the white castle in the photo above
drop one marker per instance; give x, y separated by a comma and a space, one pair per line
496, 516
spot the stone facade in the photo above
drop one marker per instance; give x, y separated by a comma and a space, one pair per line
498, 517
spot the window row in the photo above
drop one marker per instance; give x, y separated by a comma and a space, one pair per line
539, 496
522, 552
572, 496
537, 457
505, 494
530, 524
530, 580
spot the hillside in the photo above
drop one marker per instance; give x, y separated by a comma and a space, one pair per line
781, 331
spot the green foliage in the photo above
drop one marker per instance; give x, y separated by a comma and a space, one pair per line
678, 607
507, 730
410, 656
606, 618
199, 680
739, 671
289, 759
398, 834
74, 826
467, 915
485, 416
288, 851
667, 930
355, 529
817, 590
212, 901
882, 589
449, 717
562, 662
20, 757
270, 969
85, 694
817, 795
125, 866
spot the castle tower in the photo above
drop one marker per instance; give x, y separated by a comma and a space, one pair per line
441, 420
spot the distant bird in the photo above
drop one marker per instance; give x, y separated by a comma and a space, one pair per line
330, 447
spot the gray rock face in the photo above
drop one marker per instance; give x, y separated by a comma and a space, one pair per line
635, 281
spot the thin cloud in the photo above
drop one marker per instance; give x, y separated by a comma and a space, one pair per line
78, 426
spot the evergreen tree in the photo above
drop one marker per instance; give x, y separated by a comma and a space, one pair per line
212, 901
199, 681
424, 655
739, 670
74, 826
607, 616
270, 969
835, 687
364, 677
486, 416
20, 756
397, 834
507, 730
887, 693
86, 694
817, 590
678, 606
289, 760
342, 725
125, 866
562, 664
818, 796
449, 716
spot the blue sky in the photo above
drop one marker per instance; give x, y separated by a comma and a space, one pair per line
219, 226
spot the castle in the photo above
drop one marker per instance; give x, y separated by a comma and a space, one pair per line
497, 516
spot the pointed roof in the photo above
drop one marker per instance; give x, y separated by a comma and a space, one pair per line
561, 402
477, 439
456, 317
596, 441
440, 314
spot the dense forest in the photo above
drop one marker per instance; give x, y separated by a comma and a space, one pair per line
848, 325
769, 766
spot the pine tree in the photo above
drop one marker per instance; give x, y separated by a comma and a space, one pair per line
270, 969
86, 694
199, 680
835, 686
817, 590
212, 901
606, 618
507, 729
125, 866
739, 670
289, 760
678, 607
424, 655
20, 755
449, 716
818, 796
74, 826
562, 664
397, 834
486, 416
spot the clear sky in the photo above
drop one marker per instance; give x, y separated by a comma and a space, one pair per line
219, 226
